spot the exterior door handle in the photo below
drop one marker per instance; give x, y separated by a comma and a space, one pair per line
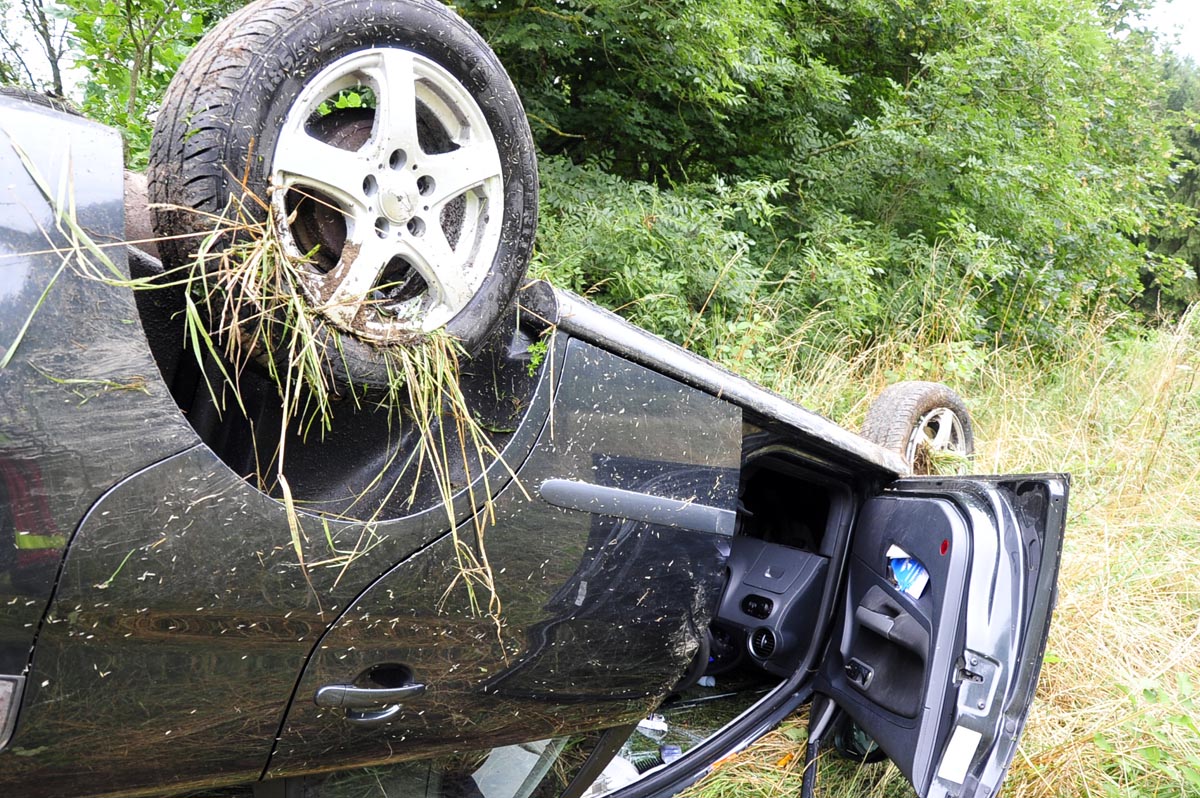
367, 706
349, 696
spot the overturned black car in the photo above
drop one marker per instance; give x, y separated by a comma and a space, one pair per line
647, 564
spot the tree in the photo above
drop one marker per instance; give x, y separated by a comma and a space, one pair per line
35, 20
128, 50
131, 50
1180, 238
658, 88
1007, 153
854, 156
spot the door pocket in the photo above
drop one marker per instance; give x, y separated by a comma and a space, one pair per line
888, 651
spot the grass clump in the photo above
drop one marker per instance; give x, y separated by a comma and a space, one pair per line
247, 307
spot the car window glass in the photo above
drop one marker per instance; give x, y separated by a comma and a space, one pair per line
539, 769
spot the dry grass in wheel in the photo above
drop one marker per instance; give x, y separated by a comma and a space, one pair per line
245, 308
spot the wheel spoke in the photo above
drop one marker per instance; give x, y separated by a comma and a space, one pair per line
347, 285
943, 440
304, 162
443, 270
396, 101
456, 172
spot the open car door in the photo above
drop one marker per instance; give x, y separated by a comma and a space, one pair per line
937, 646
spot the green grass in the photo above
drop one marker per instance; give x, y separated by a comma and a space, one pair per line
1114, 714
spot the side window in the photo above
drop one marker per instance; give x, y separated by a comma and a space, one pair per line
538, 769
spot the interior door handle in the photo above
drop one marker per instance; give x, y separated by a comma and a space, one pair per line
903, 629
349, 696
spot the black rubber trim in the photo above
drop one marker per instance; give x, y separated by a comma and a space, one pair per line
634, 506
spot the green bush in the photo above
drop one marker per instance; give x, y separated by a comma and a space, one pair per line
675, 261
1012, 154
727, 171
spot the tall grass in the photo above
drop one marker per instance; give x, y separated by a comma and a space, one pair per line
1115, 712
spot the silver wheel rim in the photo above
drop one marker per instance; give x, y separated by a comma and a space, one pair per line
939, 430
422, 223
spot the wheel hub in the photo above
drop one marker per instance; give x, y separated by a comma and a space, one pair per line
417, 190
397, 205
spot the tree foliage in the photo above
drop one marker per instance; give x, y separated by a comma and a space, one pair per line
130, 50
709, 164
1180, 237
126, 51
1013, 152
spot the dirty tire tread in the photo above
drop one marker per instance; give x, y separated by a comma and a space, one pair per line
895, 412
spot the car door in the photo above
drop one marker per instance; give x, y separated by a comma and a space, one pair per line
181, 619
938, 643
607, 555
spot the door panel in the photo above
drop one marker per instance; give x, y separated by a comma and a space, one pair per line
598, 616
897, 651
950, 585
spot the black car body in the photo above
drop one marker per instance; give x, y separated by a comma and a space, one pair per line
662, 519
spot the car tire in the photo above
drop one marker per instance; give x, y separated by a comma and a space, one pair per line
398, 197
37, 98
920, 421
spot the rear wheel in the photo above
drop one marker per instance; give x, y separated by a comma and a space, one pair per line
926, 423
390, 145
